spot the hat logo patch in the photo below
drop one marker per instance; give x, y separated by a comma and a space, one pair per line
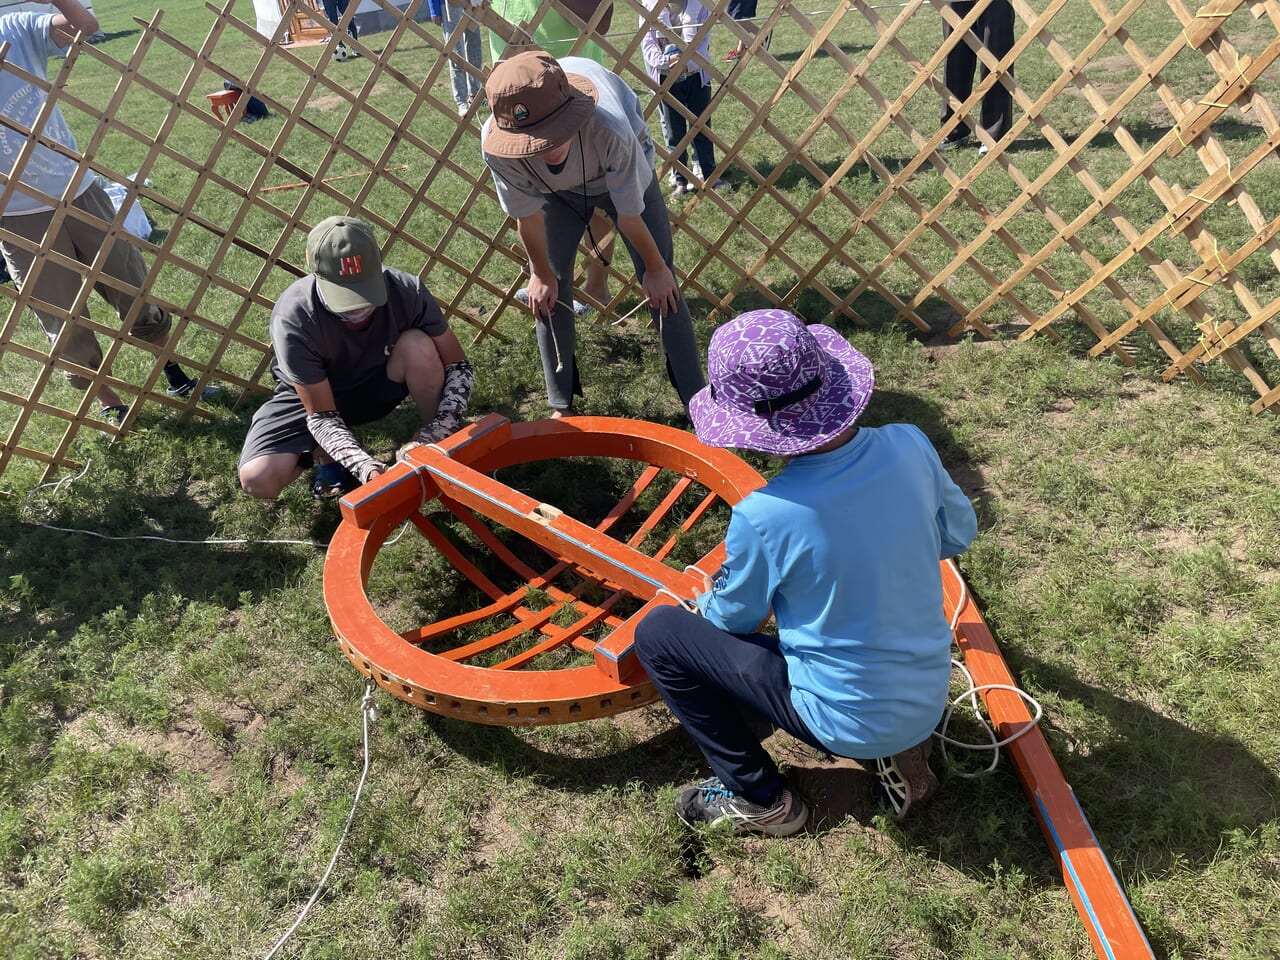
349, 266
520, 113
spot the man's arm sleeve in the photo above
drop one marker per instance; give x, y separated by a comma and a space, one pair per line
957, 521
428, 317
459, 379
517, 194
742, 590
627, 173
337, 440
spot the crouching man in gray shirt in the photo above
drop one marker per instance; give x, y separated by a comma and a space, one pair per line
567, 137
352, 340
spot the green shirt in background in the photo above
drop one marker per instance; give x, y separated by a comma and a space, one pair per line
553, 34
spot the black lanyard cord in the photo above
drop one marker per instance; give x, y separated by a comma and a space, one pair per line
584, 215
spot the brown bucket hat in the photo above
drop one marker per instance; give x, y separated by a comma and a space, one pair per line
536, 105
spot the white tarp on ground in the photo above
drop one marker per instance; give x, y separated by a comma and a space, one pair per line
268, 13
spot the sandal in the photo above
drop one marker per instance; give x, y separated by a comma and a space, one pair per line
331, 480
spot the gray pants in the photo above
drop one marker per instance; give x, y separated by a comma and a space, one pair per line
566, 216
60, 286
457, 27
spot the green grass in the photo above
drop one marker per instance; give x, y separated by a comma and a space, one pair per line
180, 736
421, 195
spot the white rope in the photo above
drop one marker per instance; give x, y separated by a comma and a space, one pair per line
681, 602
694, 568
368, 712
211, 542
632, 312
971, 695
214, 541
551, 328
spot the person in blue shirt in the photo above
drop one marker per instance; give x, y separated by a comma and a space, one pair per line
842, 546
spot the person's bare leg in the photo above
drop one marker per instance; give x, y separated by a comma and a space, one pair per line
266, 476
415, 362
108, 397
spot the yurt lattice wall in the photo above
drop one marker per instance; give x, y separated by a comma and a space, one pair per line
1133, 207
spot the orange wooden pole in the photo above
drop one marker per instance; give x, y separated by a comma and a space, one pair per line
1094, 888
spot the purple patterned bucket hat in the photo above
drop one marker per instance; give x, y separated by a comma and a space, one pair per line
779, 386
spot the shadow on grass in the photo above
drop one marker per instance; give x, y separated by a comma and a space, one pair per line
798, 175
138, 491
669, 756
1158, 792
106, 36
790, 56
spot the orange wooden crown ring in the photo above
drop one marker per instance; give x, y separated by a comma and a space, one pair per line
455, 473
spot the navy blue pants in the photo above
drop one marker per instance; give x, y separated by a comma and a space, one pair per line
334, 9
690, 91
713, 681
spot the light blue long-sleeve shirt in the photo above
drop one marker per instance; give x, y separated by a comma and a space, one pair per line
845, 547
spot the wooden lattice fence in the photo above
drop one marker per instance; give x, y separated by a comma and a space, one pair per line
1134, 205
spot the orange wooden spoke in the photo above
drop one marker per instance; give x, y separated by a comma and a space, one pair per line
693, 520
455, 557
542, 581
659, 513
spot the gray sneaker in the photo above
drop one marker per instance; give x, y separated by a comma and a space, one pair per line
905, 781
711, 803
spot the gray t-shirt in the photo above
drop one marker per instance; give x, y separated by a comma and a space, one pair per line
313, 344
612, 153
31, 44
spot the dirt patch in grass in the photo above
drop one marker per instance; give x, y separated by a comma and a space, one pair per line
332, 101
495, 837
942, 346
202, 740
834, 787
645, 723
186, 746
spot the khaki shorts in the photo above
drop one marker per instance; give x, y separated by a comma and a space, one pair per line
58, 286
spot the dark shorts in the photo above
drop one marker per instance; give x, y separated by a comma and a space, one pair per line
280, 424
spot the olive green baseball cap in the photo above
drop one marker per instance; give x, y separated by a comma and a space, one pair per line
343, 254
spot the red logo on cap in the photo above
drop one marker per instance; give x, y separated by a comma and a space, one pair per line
350, 266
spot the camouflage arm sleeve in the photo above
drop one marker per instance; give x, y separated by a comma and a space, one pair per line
459, 378
333, 434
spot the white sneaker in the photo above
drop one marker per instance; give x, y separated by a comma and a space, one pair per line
463, 109
983, 150
697, 170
